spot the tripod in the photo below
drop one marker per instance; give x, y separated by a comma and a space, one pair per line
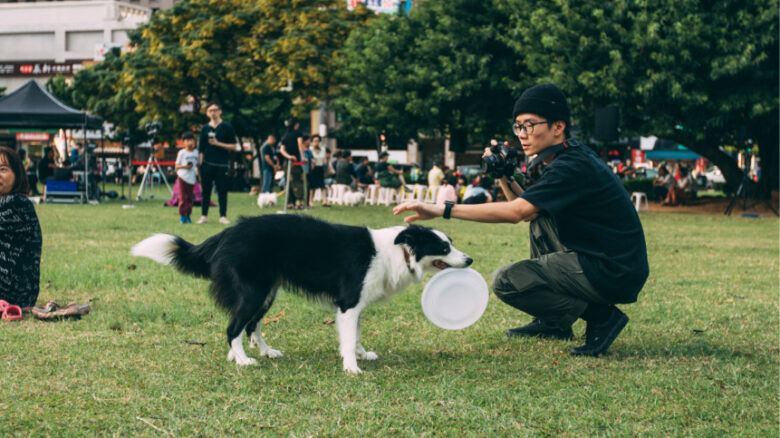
743, 191
152, 163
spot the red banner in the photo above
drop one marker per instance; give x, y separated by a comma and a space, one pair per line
32, 136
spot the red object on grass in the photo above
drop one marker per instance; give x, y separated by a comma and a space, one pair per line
10, 312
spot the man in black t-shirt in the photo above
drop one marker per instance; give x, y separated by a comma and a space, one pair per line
217, 140
292, 149
588, 249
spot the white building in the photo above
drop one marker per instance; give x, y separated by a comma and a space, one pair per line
41, 39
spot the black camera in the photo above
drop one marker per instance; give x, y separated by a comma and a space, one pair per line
503, 162
152, 128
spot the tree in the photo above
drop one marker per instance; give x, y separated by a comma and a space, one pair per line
98, 89
59, 87
442, 68
680, 69
240, 53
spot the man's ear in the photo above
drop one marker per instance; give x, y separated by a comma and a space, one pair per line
559, 127
408, 236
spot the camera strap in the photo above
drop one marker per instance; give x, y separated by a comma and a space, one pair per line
545, 154
534, 169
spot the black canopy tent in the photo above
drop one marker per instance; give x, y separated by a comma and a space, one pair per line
32, 107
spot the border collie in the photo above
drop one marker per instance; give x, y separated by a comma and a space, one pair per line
347, 267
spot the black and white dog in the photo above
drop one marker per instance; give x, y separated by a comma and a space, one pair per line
345, 266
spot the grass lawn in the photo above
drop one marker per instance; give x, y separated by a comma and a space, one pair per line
699, 356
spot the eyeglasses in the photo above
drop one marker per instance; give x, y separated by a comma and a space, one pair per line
528, 127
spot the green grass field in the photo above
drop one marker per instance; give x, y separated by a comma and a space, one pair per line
698, 358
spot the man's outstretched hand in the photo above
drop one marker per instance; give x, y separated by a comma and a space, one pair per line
423, 211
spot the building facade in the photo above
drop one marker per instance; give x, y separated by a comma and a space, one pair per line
42, 39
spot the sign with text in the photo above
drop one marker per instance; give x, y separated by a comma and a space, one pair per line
381, 6
32, 136
39, 68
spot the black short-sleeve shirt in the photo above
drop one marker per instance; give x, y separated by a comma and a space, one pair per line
596, 219
290, 142
216, 155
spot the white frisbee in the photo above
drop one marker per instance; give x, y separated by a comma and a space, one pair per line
454, 299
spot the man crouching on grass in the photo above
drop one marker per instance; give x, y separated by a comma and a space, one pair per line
587, 245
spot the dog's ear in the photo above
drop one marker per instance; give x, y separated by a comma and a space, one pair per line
408, 235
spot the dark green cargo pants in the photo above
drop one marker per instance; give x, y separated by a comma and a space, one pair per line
550, 285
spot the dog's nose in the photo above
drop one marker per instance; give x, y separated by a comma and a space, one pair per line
469, 261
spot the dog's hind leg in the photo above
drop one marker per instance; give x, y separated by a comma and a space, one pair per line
347, 324
359, 350
248, 306
255, 328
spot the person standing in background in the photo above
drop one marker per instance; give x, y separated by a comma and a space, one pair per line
217, 139
269, 163
293, 148
187, 173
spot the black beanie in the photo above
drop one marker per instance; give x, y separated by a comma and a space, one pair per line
546, 100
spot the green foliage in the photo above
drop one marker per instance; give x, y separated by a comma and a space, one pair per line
442, 68
58, 86
698, 358
707, 66
241, 54
99, 89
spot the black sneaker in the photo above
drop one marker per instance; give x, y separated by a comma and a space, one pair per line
540, 329
598, 337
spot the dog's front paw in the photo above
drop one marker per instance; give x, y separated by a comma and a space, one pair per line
271, 353
352, 368
246, 361
368, 355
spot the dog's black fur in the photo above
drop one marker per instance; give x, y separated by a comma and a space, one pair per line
248, 261
338, 264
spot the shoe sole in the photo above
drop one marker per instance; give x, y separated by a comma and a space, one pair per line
608, 340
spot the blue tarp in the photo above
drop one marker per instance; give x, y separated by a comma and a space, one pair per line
671, 155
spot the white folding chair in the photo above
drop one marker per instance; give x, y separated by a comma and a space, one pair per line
430, 195
337, 193
372, 194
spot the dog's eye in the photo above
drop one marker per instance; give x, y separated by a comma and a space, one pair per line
446, 249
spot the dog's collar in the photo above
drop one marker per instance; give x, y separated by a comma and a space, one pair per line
406, 259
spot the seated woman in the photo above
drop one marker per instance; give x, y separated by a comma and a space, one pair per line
388, 175
20, 234
681, 193
662, 183
479, 190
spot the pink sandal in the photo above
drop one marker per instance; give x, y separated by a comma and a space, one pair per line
10, 312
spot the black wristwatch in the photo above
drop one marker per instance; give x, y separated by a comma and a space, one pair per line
447, 209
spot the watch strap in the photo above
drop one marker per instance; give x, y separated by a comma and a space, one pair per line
447, 209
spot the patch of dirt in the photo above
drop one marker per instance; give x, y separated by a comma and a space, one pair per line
712, 205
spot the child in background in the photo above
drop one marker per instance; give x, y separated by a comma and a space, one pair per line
187, 174
447, 191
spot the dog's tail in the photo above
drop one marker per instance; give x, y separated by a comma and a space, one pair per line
168, 249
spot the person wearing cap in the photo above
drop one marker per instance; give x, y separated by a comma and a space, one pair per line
588, 249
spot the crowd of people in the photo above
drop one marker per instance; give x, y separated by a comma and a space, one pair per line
588, 252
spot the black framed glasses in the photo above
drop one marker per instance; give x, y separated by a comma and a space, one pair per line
528, 127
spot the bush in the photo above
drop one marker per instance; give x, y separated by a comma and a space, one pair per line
639, 185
